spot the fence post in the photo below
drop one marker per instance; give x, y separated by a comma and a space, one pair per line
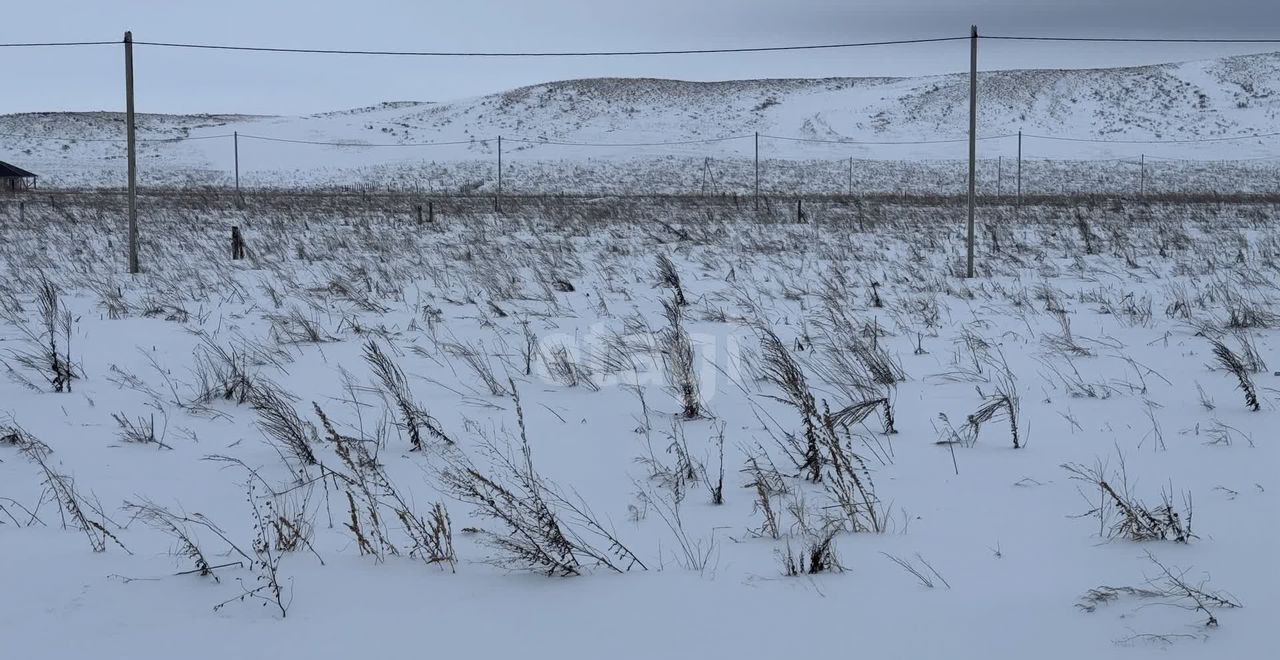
973, 140
1142, 175
235, 136
497, 201
133, 156
757, 170
1019, 173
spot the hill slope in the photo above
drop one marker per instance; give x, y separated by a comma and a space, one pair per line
1188, 101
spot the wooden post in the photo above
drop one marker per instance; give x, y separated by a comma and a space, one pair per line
22, 213
850, 188
757, 170
431, 212
973, 141
133, 156
497, 201
1019, 174
1142, 175
419, 208
999, 176
237, 244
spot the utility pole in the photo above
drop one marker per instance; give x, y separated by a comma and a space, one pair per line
133, 156
757, 170
497, 201
850, 188
973, 140
999, 177
236, 138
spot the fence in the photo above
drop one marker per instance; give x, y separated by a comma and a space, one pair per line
726, 176
748, 165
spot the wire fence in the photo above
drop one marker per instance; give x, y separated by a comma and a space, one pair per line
764, 164
1012, 164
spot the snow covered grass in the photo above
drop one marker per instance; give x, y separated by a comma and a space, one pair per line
827, 173
616, 431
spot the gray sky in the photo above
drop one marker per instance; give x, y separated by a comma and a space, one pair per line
91, 78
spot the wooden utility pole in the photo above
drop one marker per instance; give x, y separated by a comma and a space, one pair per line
236, 138
850, 188
999, 177
757, 170
497, 201
973, 140
133, 156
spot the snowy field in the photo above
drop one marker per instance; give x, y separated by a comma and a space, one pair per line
613, 431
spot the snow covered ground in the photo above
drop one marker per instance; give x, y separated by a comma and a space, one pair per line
911, 464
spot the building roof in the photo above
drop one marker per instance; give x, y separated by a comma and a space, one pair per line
8, 171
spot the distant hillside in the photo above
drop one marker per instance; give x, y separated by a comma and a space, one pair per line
1188, 101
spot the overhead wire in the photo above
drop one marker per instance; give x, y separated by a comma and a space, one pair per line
587, 53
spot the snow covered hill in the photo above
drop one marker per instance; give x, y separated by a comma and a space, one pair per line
1176, 102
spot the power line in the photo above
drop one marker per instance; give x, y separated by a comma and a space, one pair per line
54, 44
1156, 40
651, 52
597, 53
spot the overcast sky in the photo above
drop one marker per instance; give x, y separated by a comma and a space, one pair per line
168, 80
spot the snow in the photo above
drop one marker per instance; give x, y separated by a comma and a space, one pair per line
1003, 527
1226, 97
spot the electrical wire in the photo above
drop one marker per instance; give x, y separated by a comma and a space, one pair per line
1147, 40
597, 53
55, 44
652, 52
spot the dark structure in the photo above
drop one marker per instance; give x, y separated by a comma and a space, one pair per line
15, 179
237, 244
